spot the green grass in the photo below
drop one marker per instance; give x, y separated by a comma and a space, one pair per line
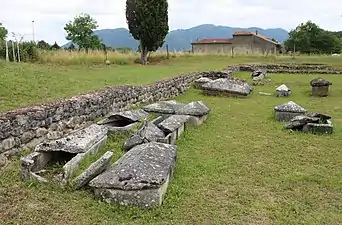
27, 84
239, 167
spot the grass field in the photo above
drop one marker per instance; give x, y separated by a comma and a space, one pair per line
240, 167
26, 84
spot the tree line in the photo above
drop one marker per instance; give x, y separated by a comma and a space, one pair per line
309, 38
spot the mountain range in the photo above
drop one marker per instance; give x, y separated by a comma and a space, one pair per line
181, 39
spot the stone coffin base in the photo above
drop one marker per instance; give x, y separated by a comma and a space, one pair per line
286, 116
321, 91
32, 164
71, 166
146, 198
197, 120
283, 93
315, 128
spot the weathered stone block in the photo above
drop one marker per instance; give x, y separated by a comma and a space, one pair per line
140, 177
321, 91
173, 123
71, 166
77, 142
93, 170
33, 163
283, 91
319, 128
287, 111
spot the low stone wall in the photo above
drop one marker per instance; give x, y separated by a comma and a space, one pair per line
25, 128
292, 68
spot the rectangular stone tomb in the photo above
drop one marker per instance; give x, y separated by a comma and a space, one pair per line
287, 111
123, 122
174, 125
139, 178
57, 160
319, 128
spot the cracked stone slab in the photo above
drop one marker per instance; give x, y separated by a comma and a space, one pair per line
146, 166
173, 123
228, 86
150, 132
197, 108
166, 107
298, 122
321, 116
93, 170
77, 142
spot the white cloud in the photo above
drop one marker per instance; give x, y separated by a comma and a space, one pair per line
51, 16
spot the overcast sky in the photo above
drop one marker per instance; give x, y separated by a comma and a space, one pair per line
50, 16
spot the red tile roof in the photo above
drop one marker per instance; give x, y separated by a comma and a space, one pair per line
214, 41
241, 33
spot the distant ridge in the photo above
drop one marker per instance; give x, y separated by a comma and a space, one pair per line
181, 39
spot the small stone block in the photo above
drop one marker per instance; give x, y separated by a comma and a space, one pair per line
315, 128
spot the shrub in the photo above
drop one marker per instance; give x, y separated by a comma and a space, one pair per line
27, 50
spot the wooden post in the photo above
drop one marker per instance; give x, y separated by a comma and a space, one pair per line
167, 52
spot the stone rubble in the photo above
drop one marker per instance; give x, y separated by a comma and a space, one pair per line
316, 123
201, 81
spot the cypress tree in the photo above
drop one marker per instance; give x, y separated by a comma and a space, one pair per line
148, 23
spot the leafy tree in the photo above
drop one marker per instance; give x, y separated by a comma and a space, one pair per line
80, 31
148, 23
3, 32
71, 47
55, 46
310, 38
43, 45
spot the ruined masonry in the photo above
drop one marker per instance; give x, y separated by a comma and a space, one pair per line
141, 176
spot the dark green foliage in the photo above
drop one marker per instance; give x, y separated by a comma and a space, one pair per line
43, 45
80, 31
55, 46
310, 38
71, 47
3, 33
148, 23
28, 52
